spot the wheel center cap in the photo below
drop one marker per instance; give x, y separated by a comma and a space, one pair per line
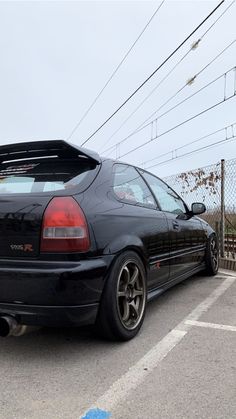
129, 294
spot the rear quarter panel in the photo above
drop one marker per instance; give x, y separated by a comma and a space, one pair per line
119, 226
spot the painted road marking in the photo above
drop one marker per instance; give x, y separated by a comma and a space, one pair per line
136, 374
211, 325
204, 306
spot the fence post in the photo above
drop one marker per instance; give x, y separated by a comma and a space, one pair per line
222, 216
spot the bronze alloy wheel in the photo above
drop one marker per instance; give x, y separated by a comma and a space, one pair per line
214, 254
131, 295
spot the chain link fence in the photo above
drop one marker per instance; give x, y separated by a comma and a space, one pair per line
215, 185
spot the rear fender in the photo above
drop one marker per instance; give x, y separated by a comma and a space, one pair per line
127, 242
122, 242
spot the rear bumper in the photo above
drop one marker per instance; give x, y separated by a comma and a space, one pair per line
51, 316
52, 293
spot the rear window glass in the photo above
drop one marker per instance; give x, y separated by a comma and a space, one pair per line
43, 176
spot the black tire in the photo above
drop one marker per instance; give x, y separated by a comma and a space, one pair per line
123, 304
212, 256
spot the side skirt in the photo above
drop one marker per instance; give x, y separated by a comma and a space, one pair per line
153, 293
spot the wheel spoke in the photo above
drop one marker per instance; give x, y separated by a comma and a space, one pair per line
214, 253
137, 293
126, 314
215, 259
134, 306
134, 276
126, 275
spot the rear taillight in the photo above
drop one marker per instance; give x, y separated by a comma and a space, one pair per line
64, 227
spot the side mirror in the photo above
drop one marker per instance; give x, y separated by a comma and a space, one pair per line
198, 208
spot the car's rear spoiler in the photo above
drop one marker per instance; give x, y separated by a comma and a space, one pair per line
34, 149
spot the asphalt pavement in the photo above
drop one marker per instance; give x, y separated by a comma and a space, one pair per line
181, 365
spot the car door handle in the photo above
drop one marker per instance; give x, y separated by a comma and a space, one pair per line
176, 225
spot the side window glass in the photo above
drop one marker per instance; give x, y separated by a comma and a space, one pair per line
129, 186
169, 201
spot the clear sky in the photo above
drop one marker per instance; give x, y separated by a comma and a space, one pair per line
57, 55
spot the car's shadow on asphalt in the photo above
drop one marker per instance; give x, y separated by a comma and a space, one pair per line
45, 342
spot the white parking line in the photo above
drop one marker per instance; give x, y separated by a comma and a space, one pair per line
211, 325
209, 301
136, 374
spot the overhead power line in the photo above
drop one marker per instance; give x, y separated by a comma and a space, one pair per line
222, 14
197, 150
179, 125
190, 81
198, 91
174, 152
142, 125
153, 73
114, 72
193, 47
147, 97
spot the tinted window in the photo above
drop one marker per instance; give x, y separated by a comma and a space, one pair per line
42, 176
166, 197
129, 186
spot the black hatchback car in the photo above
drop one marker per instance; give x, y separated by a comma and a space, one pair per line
90, 240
